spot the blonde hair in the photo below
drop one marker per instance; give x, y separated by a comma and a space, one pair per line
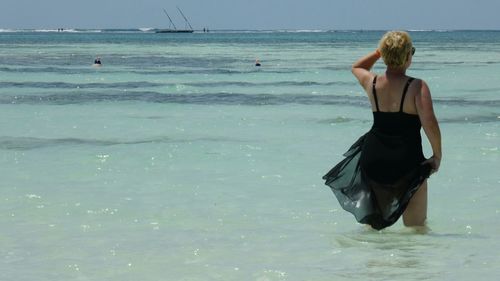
395, 47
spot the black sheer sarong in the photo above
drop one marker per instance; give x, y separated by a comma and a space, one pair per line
378, 204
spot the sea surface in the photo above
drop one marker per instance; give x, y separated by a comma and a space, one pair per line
178, 159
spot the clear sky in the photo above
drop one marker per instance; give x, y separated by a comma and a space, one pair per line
253, 14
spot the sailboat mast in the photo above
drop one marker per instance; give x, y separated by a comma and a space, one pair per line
171, 22
185, 18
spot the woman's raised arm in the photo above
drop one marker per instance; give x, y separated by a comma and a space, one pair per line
361, 68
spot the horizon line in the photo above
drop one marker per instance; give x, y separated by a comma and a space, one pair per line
145, 29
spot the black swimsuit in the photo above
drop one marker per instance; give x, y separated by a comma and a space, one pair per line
383, 169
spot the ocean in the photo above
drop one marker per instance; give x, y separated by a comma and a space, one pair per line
178, 159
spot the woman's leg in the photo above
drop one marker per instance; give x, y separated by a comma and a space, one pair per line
416, 211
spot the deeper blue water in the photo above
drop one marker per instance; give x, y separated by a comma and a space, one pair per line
178, 159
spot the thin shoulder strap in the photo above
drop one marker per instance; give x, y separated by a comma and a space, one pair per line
375, 92
404, 93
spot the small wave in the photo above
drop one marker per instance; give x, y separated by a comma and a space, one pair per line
464, 102
308, 30
471, 119
337, 120
254, 84
264, 31
291, 31
151, 71
64, 85
80, 30
145, 84
212, 71
69, 30
47, 69
54, 30
29, 143
220, 98
88, 30
9, 30
419, 30
43, 30
128, 30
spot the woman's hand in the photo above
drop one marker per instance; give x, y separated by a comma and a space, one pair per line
435, 162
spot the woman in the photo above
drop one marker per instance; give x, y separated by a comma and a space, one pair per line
384, 174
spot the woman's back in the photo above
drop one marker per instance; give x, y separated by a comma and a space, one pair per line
393, 145
393, 106
390, 91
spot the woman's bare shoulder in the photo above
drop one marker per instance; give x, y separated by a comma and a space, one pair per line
422, 88
419, 87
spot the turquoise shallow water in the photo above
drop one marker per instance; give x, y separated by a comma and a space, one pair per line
179, 160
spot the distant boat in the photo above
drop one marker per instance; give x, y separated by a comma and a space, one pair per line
175, 30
